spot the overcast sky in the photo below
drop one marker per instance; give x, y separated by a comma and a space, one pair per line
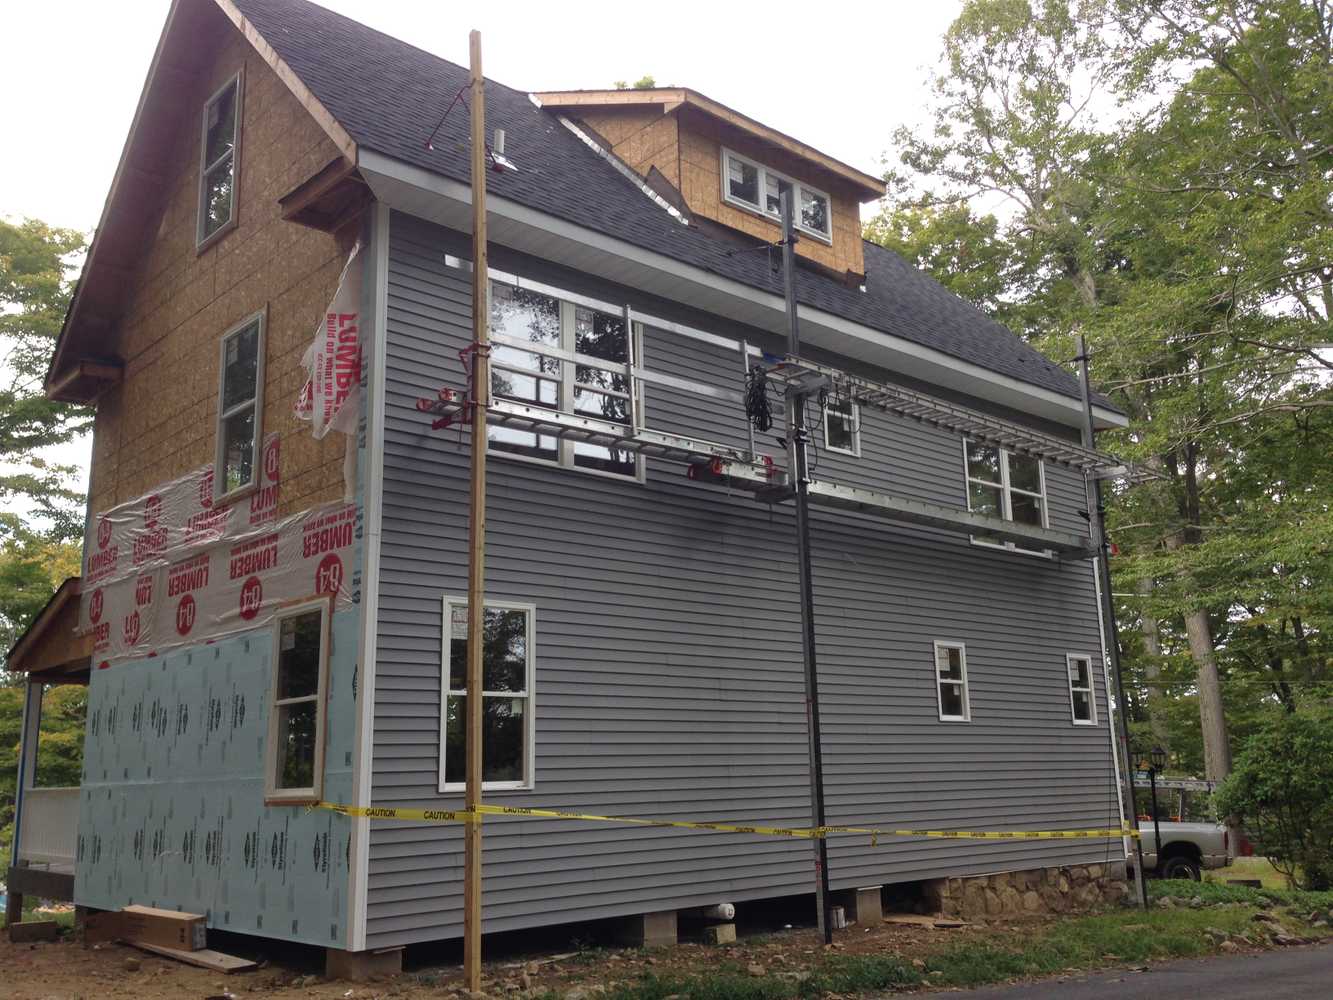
841, 79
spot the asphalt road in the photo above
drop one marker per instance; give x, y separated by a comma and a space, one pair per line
1288, 974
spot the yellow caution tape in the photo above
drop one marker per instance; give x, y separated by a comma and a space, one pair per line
466, 816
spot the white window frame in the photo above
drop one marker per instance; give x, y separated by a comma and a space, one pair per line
299, 796
569, 359
1091, 689
1006, 500
201, 241
853, 418
940, 680
450, 602
797, 187
257, 401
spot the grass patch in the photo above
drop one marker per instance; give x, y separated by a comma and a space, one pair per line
1252, 868
1216, 892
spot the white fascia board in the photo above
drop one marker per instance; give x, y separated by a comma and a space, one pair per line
439, 199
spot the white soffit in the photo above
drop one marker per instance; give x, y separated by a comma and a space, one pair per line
447, 202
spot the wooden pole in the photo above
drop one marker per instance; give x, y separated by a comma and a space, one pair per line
476, 566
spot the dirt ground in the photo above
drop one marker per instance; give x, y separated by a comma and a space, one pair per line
64, 970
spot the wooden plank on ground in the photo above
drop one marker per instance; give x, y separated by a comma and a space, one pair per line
205, 958
33, 930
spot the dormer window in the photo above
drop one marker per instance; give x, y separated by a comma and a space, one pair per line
744, 182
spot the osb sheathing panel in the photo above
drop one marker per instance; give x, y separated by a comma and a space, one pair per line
701, 142
159, 421
642, 137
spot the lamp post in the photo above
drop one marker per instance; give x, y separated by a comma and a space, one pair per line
1156, 761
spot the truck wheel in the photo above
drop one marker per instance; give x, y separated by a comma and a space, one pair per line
1181, 866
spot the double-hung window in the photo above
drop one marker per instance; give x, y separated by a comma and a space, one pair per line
560, 355
507, 676
842, 427
1082, 701
951, 682
295, 761
753, 186
1005, 485
240, 408
217, 161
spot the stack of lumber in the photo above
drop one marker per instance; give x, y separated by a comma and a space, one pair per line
169, 933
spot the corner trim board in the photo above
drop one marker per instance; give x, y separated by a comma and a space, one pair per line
371, 474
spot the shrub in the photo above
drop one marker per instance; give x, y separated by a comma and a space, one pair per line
1280, 790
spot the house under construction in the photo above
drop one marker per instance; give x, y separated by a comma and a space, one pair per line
273, 604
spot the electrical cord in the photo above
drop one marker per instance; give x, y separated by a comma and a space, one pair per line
757, 405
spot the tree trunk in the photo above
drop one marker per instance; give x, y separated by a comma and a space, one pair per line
1152, 670
1216, 747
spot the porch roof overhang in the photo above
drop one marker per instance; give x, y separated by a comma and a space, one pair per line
51, 645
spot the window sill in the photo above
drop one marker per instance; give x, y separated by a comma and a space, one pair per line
215, 237
304, 798
745, 206
488, 786
1001, 547
842, 451
240, 493
1091, 724
955, 718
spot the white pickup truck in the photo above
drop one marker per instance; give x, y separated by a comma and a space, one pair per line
1187, 849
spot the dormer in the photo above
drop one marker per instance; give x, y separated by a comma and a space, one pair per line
716, 164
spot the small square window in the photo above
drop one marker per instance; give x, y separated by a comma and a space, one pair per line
951, 682
297, 709
814, 211
842, 427
743, 180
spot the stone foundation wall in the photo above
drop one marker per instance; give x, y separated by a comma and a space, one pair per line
1040, 890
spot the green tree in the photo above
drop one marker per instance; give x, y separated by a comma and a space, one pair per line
1280, 792
36, 262
645, 82
59, 747
1188, 244
31, 568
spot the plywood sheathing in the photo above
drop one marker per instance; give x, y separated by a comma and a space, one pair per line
685, 145
701, 140
159, 422
642, 137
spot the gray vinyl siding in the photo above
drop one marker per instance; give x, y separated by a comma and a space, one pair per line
668, 678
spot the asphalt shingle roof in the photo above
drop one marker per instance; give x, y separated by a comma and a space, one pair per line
389, 95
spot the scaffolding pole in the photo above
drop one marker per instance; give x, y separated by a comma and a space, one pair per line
800, 439
476, 565
1111, 640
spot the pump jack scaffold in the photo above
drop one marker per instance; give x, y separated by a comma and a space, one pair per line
746, 469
